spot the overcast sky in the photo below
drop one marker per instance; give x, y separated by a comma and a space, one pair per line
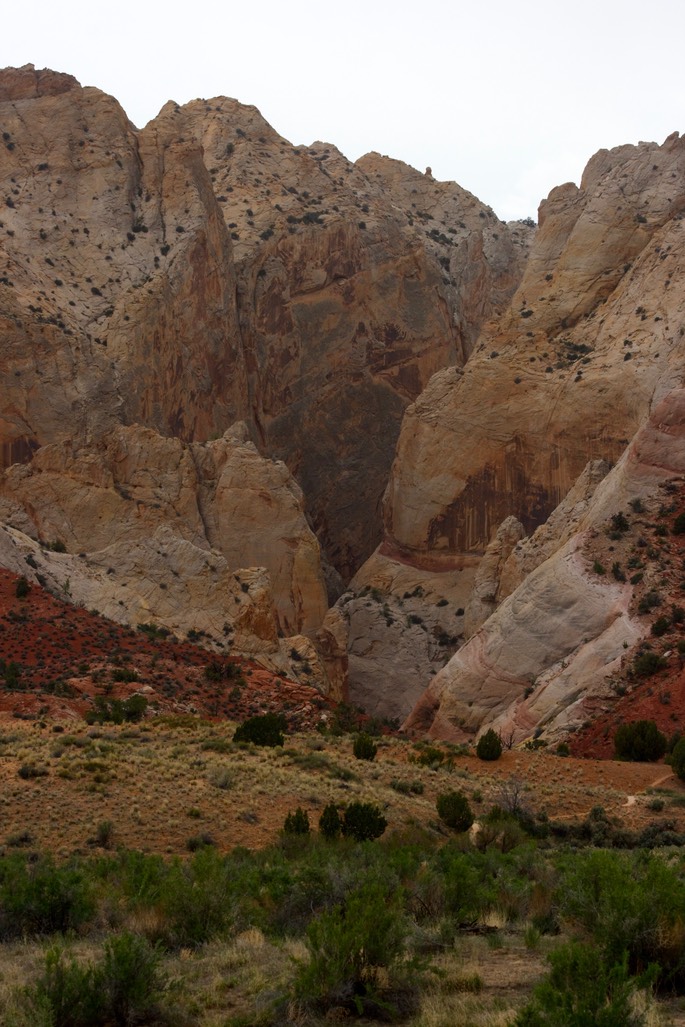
508, 99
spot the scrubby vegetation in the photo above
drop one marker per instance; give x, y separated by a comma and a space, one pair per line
361, 895
366, 920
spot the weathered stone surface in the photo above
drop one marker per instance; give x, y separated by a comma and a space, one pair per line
483, 598
219, 506
203, 270
559, 527
567, 374
393, 629
554, 641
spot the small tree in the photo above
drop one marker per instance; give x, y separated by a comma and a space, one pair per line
265, 730
678, 758
22, 588
454, 810
641, 742
489, 746
363, 821
679, 525
297, 822
364, 747
330, 823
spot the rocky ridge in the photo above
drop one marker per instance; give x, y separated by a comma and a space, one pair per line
203, 270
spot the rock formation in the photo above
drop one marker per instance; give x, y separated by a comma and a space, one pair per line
204, 270
590, 343
556, 639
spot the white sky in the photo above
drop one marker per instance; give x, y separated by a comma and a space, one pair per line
507, 98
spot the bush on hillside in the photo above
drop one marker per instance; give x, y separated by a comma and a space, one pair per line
582, 989
640, 742
267, 730
489, 746
678, 758
297, 822
330, 824
364, 747
454, 810
363, 821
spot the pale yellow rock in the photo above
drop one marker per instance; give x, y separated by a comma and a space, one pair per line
483, 598
560, 635
220, 503
590, 341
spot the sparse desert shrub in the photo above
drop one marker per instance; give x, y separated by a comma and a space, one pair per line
30, 770
267, 730
358, 955
364, 747
128, 979
640, 741
104, 834
679, 525
121, 989
118, 710
581, 990
39, 898
22, 588
454, 810
296, 822
363, 821
660, 626
632, 905
330, 824
678, 759
489, 746
647, 663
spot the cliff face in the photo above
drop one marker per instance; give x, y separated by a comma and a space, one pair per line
556, 640
203, 271
567, 374
589, 346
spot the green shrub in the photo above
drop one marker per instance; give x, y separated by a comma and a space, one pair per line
363, 821
678, 759
633, 905
121, 989
679, 525
357, 955
22, 588
128, 979
330, 824
660, 626
583, 991
267, 730
297, 822
65, 995
118, 710
648, 663
39, 898
640, 741
454, 810
364, 747
489, 746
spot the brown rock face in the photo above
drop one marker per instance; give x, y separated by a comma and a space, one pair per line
567, 375
27, 84
203, 270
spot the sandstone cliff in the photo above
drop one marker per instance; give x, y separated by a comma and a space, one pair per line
569, 626
204, 270
591, 342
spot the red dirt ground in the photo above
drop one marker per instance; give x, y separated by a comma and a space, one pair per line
67, 656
